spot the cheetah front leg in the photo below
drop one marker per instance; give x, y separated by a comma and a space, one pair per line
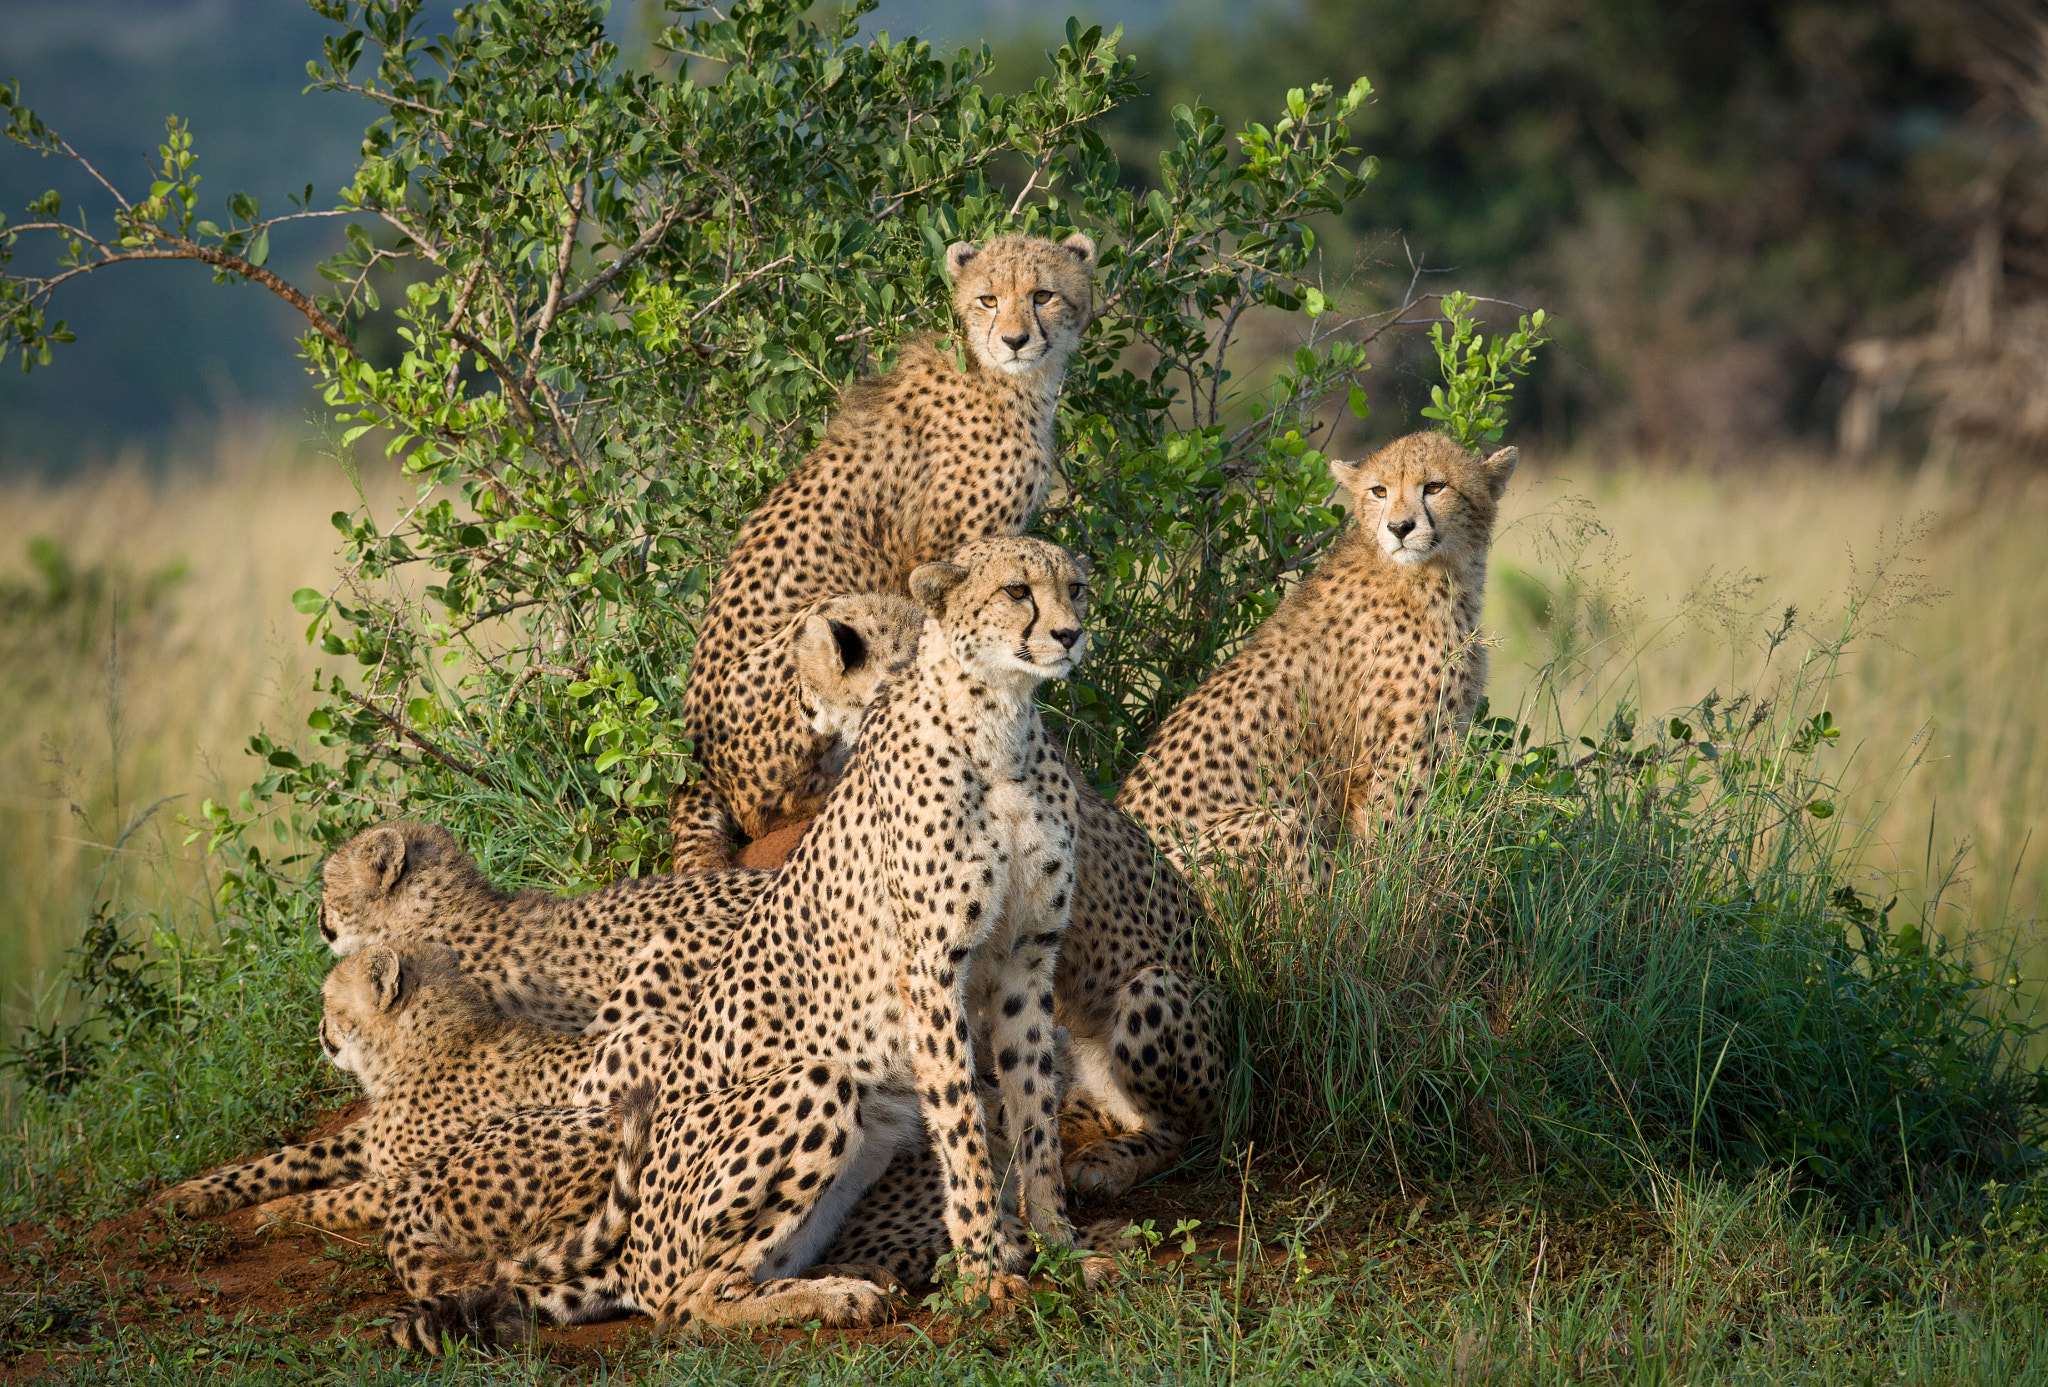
282, 1172
353, 1208
747, 1185
701, 830
1021, 1042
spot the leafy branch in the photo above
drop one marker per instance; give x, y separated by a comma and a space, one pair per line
1478, 374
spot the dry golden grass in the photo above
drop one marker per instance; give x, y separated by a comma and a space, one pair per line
120, 702
1943, 710
1944, 716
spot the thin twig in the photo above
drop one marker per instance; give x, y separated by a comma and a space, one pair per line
515, 394
627, 258
739, 284
571, 223
424, 743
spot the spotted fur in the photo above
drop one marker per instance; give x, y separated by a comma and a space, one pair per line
1337, 710
814, 679
550, 959
917, 463
836, 1032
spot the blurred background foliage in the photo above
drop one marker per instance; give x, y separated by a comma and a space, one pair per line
1818, 222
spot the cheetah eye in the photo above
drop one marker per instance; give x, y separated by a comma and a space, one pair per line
1432, 488
987, 300
1074, 591
1379, 493
1019, 591
1042, 296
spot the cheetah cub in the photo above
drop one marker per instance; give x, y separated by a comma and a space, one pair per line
1338, 708
917, 463
841, 649
434, 1057
549, 959
927, 900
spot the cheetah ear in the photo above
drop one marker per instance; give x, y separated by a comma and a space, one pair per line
387, 977
1084, 567
826, 650
384, 855
1499, 468
1345, 474
957, 256
930, 583
1083, 249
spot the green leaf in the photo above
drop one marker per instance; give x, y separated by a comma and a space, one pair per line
309, 601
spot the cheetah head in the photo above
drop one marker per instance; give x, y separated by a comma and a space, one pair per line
844, 650
1424, 498
387, 881
1011, 608
378, 1000
1023, 301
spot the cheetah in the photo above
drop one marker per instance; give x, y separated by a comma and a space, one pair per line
836, 1032
918, 462
521, 1200
1127, 986
434, 1057
1336, 710
805, 721
549, 959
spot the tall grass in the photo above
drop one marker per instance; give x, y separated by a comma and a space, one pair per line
146, 630
1657, 585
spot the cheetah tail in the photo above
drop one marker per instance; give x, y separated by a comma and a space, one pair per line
490, 1316
589, 1249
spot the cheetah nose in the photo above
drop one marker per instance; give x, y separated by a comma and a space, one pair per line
1068, 636
1016, 344
1399, 528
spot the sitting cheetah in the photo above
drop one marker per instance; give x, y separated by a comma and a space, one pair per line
917, 463
1337, 708
836, 1031
548, 958
434, 1057
1127, 984
804, 725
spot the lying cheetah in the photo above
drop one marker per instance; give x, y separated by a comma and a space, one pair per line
522, 1200
839, 649
836, 1032
1127, 985
548, 958
483, 1290
917, 462
1337, 709
434, 1057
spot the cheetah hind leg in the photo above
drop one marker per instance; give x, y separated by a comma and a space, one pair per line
1252, 844
701, 829
570, 1278
750, 1219
1144, 1088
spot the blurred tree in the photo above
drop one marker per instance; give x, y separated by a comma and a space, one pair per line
1714, 197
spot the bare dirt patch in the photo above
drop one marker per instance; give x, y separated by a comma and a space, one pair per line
61, 1281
